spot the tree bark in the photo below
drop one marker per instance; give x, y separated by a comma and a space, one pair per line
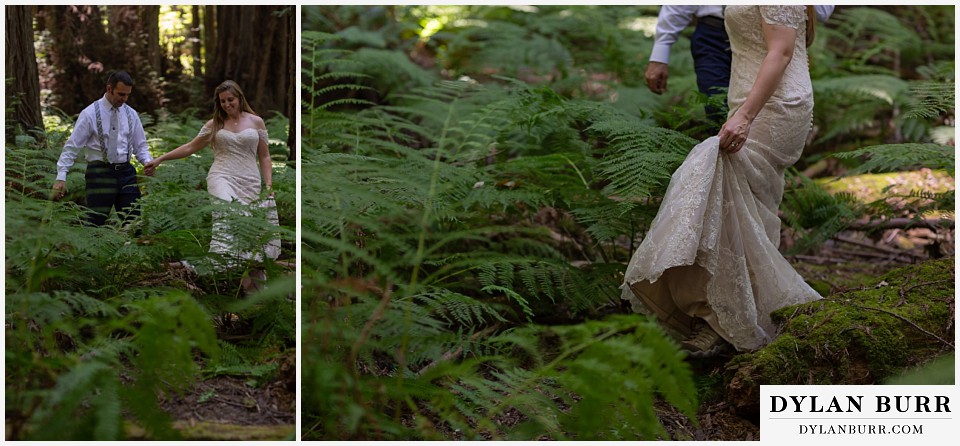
293, 130
253, 49
136, 30
195, 38
150, 15
21, 65
209, 38
78, 38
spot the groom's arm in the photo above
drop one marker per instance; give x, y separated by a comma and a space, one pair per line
138, 143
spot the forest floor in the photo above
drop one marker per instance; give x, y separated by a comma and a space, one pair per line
227, 408
232, 408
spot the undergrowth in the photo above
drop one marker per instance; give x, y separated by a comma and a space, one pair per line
474, 180
97, 325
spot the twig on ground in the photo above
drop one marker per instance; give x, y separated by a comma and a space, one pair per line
901, 223
853, 241
907, 321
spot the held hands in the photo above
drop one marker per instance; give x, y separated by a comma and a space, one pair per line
656, 75
151, 167
59, 189
733, 134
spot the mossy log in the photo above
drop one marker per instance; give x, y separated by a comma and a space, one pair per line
857, 336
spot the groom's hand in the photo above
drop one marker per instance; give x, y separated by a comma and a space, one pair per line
656, 75
59, 189
150, 168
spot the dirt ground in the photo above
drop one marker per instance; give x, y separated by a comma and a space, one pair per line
229, 400
228, 408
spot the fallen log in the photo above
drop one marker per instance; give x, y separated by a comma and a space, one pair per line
901, 223
853, 336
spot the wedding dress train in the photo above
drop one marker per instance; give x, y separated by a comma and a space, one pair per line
712, 250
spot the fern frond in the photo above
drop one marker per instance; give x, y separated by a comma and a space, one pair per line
892, 157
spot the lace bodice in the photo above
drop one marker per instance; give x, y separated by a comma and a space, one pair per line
235, 176
235, 163
749, 49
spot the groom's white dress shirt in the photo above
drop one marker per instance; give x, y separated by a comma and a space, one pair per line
128, 137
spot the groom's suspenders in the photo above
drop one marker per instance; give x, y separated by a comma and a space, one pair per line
103, 146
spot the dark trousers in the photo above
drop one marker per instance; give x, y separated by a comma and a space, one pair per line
710, 48
111, 186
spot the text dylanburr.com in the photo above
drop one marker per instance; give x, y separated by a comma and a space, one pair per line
878, 414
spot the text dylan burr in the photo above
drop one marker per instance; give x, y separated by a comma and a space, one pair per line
855, 403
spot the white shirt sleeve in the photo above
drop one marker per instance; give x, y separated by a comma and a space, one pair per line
84, 132
671, 20
138, 140
823, 12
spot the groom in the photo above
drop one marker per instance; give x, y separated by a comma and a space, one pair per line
108, 132
709, 46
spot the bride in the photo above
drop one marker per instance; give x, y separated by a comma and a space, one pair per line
241, 160
709, 268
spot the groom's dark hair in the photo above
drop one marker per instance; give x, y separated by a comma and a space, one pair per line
119, 76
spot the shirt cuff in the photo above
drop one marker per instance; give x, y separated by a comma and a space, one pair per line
660, 53
61, 176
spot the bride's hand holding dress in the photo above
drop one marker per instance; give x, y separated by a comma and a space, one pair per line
709, 268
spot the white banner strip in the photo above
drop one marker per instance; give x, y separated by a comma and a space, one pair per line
876, 414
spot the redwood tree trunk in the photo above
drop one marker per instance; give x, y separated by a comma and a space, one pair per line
209, 38
253, 48
78, 41
293, 130
195, 36
150, 14
136, 30
21, 65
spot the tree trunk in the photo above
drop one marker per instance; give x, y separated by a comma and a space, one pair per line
21, 65
150, 15
77, 70
195, 37
209, 38
136, 30
253, 49
293, 130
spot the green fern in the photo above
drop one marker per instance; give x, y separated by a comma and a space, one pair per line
82, 304
410, 274
815, 214
893, 157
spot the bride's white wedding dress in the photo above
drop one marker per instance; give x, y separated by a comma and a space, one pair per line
712, 250
235, 176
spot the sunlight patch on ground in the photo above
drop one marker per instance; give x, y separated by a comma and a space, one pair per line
870, 187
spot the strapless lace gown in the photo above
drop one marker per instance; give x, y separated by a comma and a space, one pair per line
235, 176
712, 250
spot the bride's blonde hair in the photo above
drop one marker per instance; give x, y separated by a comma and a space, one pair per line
811, 25
219, 114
